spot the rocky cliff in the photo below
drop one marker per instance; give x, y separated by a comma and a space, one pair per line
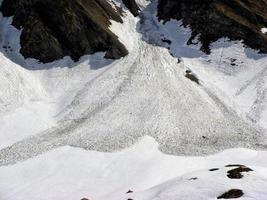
54, 29
211, 20
132, 6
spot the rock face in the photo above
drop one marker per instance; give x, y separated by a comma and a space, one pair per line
132, 6
215, 19
54, 29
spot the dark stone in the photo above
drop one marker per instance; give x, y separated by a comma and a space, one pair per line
132, 6
188, 71
232, 194
54, 29
214, 169
193, 179
211, 20
193, 78
237, 172
167, 41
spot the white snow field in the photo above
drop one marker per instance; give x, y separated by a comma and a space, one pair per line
74, 173
55, 117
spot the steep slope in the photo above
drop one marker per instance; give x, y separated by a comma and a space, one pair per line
104, 105
149, 95
146, 93
235, 73
54, 29
211, 20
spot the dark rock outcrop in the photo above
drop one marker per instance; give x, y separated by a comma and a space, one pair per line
192, 77
132, 6
232, 194
54, 29
236, 173
215, 19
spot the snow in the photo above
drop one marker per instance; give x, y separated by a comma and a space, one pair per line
264, 30
58, 119
234, 73
74, 173
106, 105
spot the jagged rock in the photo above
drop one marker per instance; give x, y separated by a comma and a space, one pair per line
54, 29
132, 6
215, 19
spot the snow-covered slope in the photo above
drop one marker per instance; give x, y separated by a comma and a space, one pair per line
106, 105
73, 173
234, 73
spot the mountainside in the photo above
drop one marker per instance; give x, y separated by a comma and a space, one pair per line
164, 121
54, 29
211, 20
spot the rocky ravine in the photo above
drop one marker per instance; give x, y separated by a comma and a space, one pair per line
54, 29
215, 19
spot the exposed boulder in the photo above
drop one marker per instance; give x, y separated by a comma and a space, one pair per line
211, 20
54, 29
236, 173
132, 6
232, 194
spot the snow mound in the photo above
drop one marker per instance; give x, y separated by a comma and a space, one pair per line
208, 185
